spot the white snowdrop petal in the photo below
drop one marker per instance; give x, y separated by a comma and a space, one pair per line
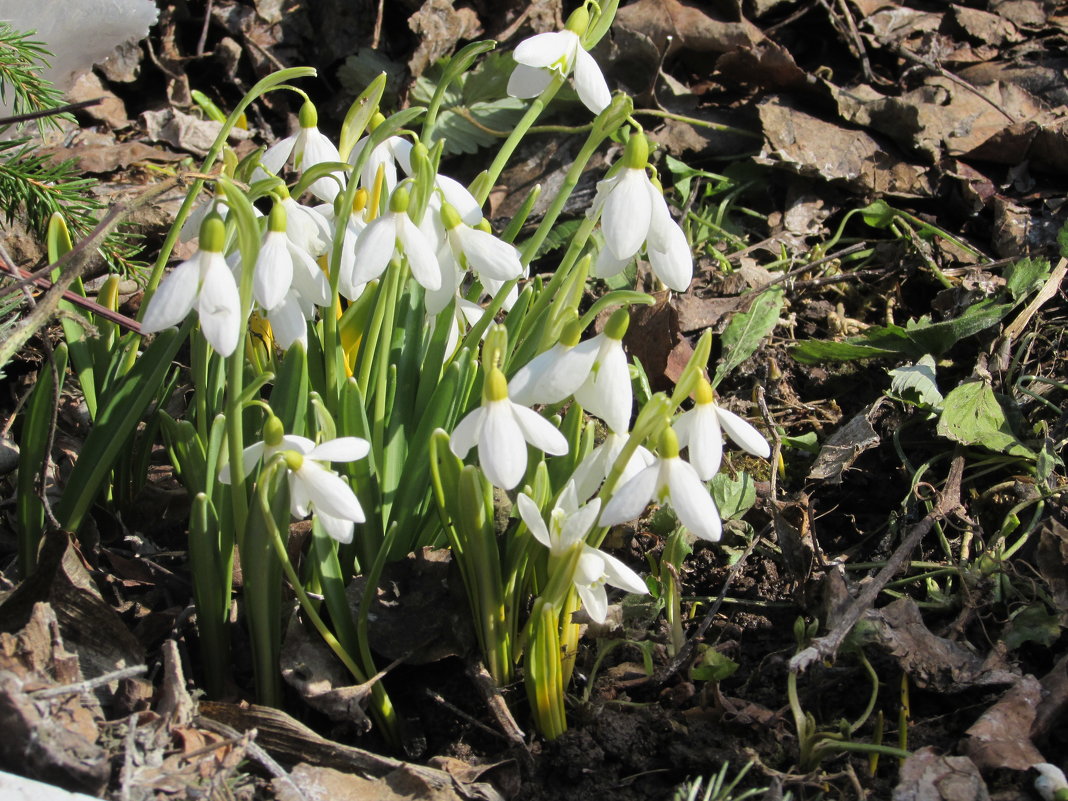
538, 431
299, 500
698, 429
629, 500
502, 453
219, 305
626, 213
545, 49
579, 523
606, 265
420, 253
278, 154
336, 527
489, 256
457, 196
742, 433
374, 249
467, 433
309, 280
607, 393
273, 273
673, 266
619, 575
174, 297
594, 601
690, 499
249, 457
341, 449
527, 82
288, 323
531, 515
590, 83
328, 492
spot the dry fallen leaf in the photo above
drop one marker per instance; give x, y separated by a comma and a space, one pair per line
674, 26
927, 776
1001, 738
439, 27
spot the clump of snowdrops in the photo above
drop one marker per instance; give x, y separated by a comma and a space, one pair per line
368, 352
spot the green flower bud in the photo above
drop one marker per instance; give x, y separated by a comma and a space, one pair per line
213, 234
669, 444
579, 21
308, 117
450, 217
616, 327
495, 387
702, 393
273, 431
636, 154
572, 333
276, 220
399, 201
294, 460
376, 119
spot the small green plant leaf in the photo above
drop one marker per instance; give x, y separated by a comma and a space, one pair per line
916, 383
973, 416
713, 666
878, 214
1025, 276
733, 496
745, 332
1033, 623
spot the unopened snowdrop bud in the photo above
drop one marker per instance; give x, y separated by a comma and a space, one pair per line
376, 119
399, 200
273, 432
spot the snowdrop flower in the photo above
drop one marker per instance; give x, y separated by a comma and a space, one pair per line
273, 274
557, 373
593, 470
501, 429
568, 526
474, 248
561, 52
394, 233
289, 319
312, 485
633, 212
205, 283
386, 155
308, 147
354, 224
594, 371
701, 430
1051, 783
668, 479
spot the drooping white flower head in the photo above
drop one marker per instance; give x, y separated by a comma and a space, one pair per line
557, 373
669, 479
355, 221
701, 430
205, 283
591, 472
568, 526
607, 391
385, 156
501, 429
313, 487
561, 52
634, 213
273, 274
394, 233
308, 147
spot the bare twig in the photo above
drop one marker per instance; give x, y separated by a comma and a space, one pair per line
254, 751
50, 112
827, 646
81, 687
491, 695
204, 29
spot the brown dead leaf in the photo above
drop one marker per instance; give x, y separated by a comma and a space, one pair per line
655, 339
674, 26
109, 158
316, 782
846, 444
110, 110
90, 628
765, 65
814, 148
931, 661
984, 27
1024, 13
927, 776
1001, 738
439, 27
